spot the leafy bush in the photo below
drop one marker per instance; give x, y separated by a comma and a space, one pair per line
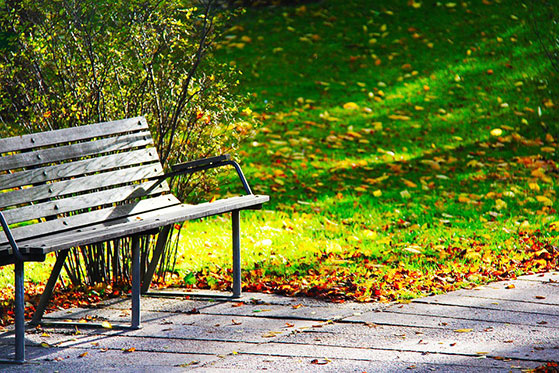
67, 63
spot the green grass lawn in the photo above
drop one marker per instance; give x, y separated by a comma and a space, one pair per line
408, 148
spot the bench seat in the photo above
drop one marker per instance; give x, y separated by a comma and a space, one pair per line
122, 221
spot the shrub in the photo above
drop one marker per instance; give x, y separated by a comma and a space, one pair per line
67, 63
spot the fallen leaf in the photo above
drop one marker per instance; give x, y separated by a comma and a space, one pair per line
320, 361
84, 354
496, 132
351, 106
464, 330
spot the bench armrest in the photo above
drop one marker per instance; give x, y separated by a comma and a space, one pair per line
10, 237
206, 164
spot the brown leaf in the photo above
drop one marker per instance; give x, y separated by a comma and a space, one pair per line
320, 361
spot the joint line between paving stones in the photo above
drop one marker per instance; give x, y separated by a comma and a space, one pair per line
418, 301
476, 320
497, 358
509, 300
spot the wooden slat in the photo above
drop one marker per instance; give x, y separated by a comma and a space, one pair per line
85, 201
65, 135
78, 150
75, 222
139, 223
77, 168
81, 184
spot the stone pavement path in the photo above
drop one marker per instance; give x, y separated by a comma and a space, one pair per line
501, 327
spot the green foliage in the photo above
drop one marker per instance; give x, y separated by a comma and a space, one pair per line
67, 63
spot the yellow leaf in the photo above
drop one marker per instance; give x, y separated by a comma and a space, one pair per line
84, 354
377, 193
106, 325
500, 204
369, 234
463, 199
464, 330
399, 117
496, 132
554, 226
405, 194
131, 349
547, 149
410, 184
534, 186
351, 106
413, 249
546, 201
510, 286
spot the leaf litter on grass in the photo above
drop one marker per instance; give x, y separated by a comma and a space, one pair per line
404, 156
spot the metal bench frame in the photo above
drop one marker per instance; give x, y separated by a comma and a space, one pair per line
147, 226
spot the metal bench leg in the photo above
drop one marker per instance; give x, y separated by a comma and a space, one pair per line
135, 282
19, 312
159, 247
236, 254
47, 293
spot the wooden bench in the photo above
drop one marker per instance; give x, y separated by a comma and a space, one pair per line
90, 184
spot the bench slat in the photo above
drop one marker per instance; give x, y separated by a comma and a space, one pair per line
81, 184
65, 135
137, 224
78, 168
85, 201
74, 222
62, 153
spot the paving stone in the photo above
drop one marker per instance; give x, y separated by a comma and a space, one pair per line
477, 314
499, 341
244, 363
69, 360
365, 354
522, 291
542, 277
423, 321
491, 304
287, 312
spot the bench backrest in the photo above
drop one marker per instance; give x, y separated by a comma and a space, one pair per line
88, 170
